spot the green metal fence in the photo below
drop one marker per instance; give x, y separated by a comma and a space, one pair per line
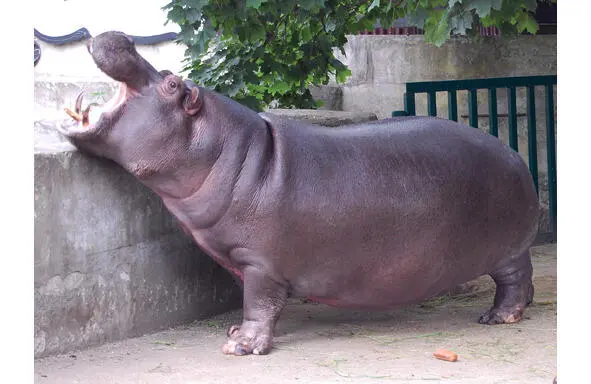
492, 84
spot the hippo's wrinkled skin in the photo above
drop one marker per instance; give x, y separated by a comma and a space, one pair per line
368, 216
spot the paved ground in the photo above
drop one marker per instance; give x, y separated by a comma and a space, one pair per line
318, 344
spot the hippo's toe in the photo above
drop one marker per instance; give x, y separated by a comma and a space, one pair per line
501, 316
249, 338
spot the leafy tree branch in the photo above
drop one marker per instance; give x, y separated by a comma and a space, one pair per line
261, 52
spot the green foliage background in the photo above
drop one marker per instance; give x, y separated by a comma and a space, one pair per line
263, 51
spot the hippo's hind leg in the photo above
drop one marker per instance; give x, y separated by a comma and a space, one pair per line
515, 291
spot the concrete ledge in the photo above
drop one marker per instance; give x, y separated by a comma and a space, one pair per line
324, 117
110, 261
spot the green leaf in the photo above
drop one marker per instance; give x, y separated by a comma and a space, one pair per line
525, 22
374, 3
458, 24
330, 25
437, 29
482, 7
196, 4
306, 34
309, 5
281, 86
342, 75
193, 15
256, 32
496, 4
417, 18
530, 5
254, 3
176, 14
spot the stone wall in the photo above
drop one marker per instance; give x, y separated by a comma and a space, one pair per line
381, 65
110, 261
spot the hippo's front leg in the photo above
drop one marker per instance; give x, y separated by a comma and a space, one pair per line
264, 298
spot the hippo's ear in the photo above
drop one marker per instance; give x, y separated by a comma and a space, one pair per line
192, 101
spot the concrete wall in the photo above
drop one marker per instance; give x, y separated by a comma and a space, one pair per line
110, 261
381, 65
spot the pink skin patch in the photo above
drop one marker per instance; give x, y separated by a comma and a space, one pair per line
237, 273
229, 267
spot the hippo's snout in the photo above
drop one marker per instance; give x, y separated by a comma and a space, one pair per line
115, 54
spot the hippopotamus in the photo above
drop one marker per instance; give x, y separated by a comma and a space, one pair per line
370, 216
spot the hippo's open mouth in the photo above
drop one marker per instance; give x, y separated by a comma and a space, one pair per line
115, 55
89, 118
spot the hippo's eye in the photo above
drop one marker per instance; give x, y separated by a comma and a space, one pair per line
171, 86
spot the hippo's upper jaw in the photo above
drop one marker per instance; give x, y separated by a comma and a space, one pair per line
114, 53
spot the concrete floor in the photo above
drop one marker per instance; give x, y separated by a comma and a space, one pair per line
318, 344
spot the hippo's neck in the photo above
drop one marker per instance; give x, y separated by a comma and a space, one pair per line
238, 167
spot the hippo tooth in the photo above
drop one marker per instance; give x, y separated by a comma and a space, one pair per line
78, 105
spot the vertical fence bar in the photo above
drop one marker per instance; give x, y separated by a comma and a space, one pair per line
432, 104
551, 148
473, 108
492, 112
409, 103
532, 144
452, 105
512, 111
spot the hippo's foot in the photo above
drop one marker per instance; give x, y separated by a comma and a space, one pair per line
250, 337
501, 316
515, 291
264, 298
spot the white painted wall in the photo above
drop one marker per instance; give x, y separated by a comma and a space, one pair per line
72, 63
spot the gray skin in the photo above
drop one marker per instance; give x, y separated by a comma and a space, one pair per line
370, 216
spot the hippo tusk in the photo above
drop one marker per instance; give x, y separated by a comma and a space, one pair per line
86, 115
79, 115
79, 102
79, 130
73, 114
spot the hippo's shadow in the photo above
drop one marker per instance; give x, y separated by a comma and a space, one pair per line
452, 312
